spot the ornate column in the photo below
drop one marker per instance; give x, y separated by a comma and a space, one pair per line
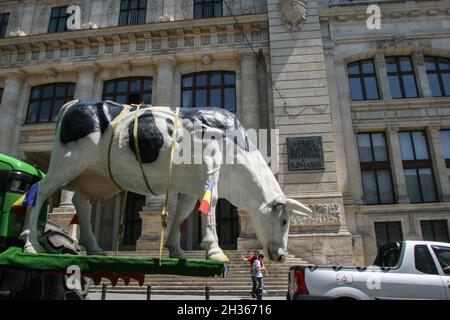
422, 77
439, 166
163, 93
8, 110
85, 83
397, 165
250, 98
380, 66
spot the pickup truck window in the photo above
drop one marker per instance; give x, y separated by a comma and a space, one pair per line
423, 260
443, 255
389, 255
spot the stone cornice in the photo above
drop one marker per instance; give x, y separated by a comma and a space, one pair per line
400, 103
390, 9
402, 208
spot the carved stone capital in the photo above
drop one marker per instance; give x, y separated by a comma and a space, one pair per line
87, 68
16, 75
392, 130
420, 60
433, 128
165, 62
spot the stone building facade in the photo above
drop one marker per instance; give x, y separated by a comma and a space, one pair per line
370, 109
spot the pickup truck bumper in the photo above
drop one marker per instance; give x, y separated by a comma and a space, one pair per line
308, 297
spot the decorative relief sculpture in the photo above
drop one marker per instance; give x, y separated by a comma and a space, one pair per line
293, 13
324, 213
401, 42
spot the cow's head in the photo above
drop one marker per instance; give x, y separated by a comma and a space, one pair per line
272, 225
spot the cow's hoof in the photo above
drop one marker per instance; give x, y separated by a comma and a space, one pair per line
33, 248
219, 257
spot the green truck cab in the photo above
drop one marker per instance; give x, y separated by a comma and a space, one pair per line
16, 178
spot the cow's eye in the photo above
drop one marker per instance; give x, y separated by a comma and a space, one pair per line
283, 222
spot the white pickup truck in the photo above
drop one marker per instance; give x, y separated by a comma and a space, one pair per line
402, 270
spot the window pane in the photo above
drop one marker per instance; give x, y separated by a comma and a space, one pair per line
60, 91
371, 88
427, 230
355, 89
423, 260
109, 87
409, 83
353, 69
147, 98
216, 98
32, 112
385, 186
48, 91
218, 10
135, 84
446, 82
52, 26
394, 231
391, 64
123, 17
200, 98
441, 230
381, 234
368, 67
427, 185
420, 145
364, 148
121, 86
405, 64
445, 141
201, 80
44, 113
71, 90
56, 107
434, 85
230, 99
215, 79
62, 25
429, 64
121, 99
394, 85
379, 147
187, 82
186, 100
133, 4
369, 187
412, 184
444, 64
406, 146
35, 92
148, 84
108, 98
230, 79
124, 4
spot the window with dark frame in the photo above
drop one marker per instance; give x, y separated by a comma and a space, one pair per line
438, 71
46, 101
132, 12
423, 260
58, 20
375, 168
417, 167
445, 142
131, 90
207, 9
4, 18
402, 78
209, 89
363, 80
435, 230
386, 232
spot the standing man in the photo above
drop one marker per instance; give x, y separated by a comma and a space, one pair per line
251, 260
257, 268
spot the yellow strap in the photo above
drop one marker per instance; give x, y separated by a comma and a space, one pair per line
115, 124
137, 151
165, 211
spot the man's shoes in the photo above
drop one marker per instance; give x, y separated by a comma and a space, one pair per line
253, 295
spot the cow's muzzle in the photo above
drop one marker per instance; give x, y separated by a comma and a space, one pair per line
277, 254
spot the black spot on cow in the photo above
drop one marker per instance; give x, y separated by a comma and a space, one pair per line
170, 126
83, 118
150, 139
220, 119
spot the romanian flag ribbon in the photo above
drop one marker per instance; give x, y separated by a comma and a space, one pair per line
26, 200
205, 204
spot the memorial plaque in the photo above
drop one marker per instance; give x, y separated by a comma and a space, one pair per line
305, 153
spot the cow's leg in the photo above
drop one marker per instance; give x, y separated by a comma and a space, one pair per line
87, 238
185, 205
210, 241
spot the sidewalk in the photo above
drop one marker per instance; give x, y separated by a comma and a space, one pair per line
131, 296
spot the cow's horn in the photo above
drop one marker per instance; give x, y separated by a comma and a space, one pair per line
298, 208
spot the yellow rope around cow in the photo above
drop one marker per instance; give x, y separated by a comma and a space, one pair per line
165, 211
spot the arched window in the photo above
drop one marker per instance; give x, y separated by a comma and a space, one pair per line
363, 80
132, 90
209, 89
46, 101
402, 78
438, 71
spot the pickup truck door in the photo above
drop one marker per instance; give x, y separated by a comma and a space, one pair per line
442, 258
424, 283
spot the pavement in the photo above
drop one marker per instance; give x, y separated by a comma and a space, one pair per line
131, 296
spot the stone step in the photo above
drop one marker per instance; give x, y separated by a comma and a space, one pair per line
213, 292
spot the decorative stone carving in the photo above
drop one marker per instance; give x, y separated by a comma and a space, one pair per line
418, 55
125, 66
186, 8
51, 73
324, 213
206, 59
293, 13
401, 42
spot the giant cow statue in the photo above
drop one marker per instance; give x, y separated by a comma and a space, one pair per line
96, 159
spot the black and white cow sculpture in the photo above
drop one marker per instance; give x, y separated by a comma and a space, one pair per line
86, 160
